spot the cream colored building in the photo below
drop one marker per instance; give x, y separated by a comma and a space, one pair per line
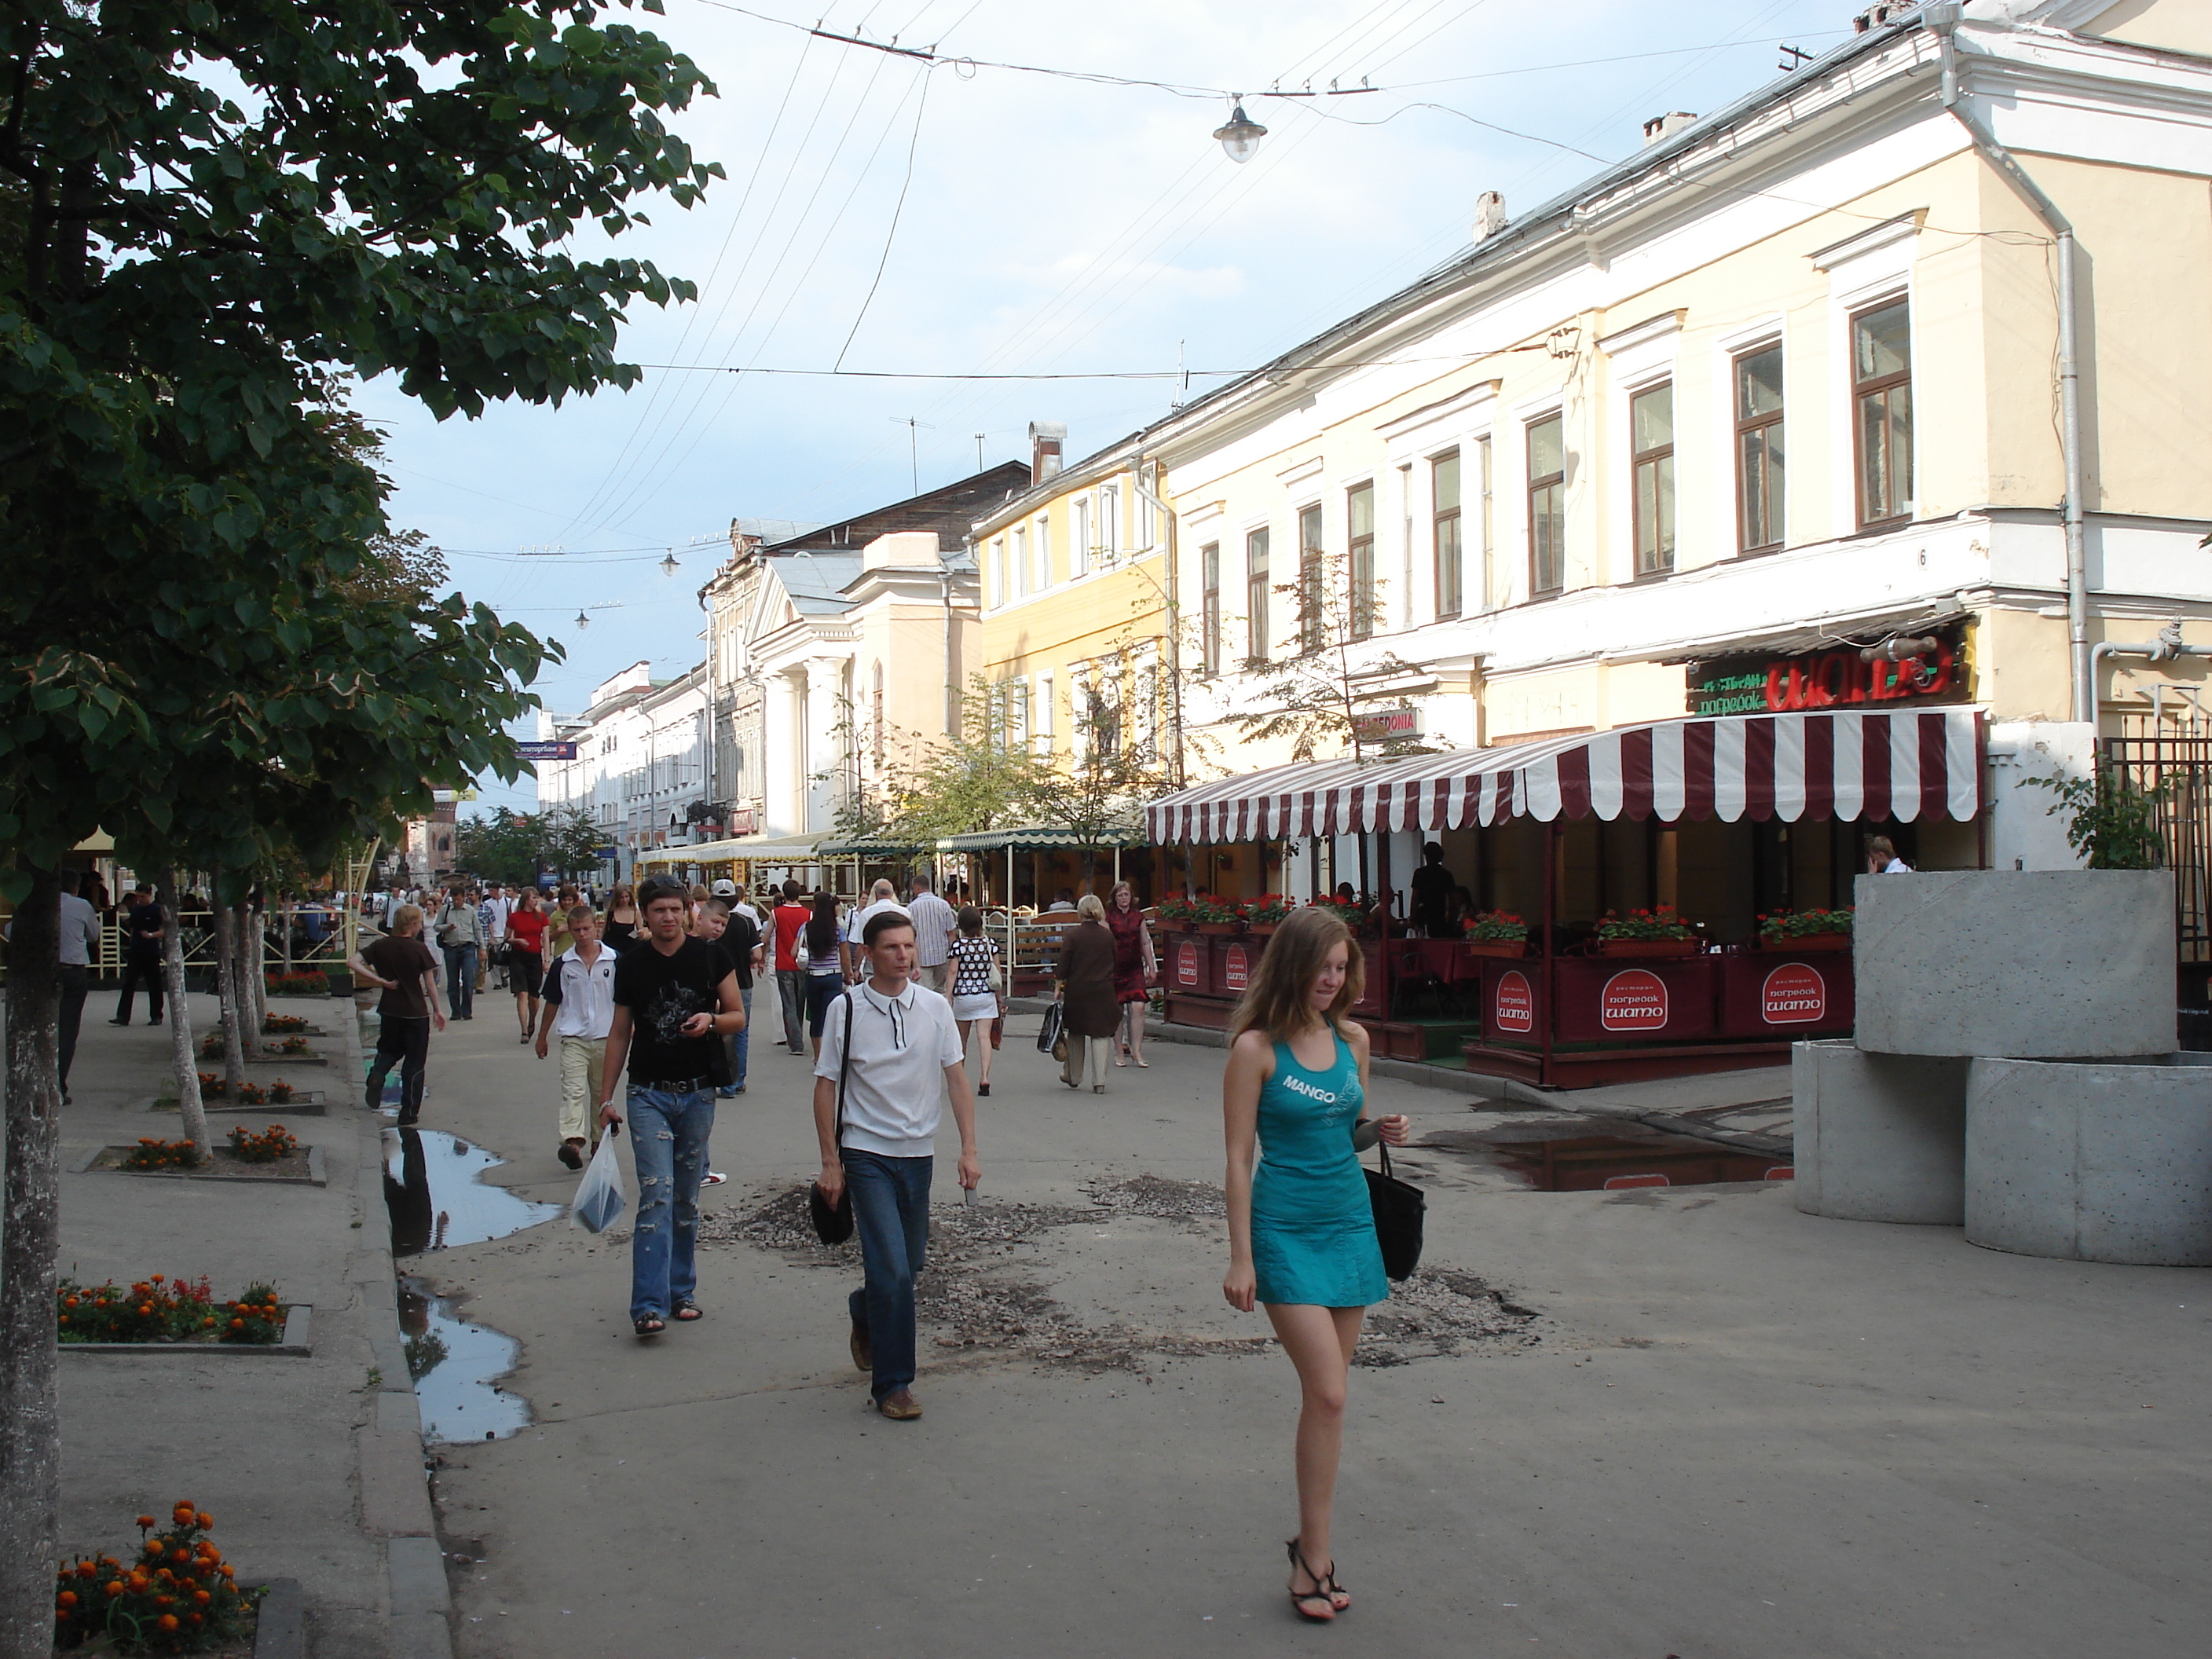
1779, 393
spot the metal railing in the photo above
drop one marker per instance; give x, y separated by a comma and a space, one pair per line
2182, 764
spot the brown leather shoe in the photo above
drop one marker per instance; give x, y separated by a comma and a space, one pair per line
900, 1406
864, 1357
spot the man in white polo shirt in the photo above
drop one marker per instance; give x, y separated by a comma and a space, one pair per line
882, 900
904, 1053
579, 1005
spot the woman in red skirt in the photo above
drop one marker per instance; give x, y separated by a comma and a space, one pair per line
1134, 970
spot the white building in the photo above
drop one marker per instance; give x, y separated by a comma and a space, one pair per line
641, 765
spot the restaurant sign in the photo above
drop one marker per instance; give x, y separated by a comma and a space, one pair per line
1387, 725
1514, 1004
1839, 678
1793, 995
1633, 1001
1236, 968
1187, 973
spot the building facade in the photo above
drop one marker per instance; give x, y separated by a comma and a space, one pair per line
1774, 415
640, 770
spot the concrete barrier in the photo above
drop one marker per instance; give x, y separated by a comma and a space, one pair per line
2073, 965
1878, 1136
2108, 1161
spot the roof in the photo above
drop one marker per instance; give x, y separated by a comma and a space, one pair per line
817, 581
948, 510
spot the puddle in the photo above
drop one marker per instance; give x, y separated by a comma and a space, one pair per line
452, 1362
433, 1189
1538, 1154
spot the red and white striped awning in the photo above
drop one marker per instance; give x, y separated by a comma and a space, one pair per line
1922, 764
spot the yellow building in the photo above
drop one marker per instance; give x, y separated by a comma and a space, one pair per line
1076, 572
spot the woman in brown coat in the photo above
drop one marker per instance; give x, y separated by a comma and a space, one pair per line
1086, 988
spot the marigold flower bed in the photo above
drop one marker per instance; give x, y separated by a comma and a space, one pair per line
162, 1309
176, 1159
176, 1595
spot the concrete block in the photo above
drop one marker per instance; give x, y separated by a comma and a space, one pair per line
417, 1569
2022, 964
2097, 1162
1878, 1136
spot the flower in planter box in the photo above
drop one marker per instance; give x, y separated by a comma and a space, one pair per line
1265, 910
1660, 924
1803, 924
1213, 908
1175, 908
1496, 926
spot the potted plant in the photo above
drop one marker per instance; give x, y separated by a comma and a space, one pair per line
1175, 913
1659, 932
1496, 933
1806, 930
1262, 914
1351, 915
1217, 914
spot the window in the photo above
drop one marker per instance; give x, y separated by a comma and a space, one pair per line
1209, 606
1021, 560
1044, 713
1310, 602
1255, 595
997, 561
1406, 543
1483, 596
1110, 521
1759, 449
1044, 553
1017, 714
1652, 460
1443, 478
1360, 560
1882, 388
1078, 554
1547, 508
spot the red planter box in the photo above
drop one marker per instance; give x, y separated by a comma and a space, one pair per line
1187, 965
1234, 961
1608, 1002
1495, 947
1784, 995
1809, 942
1650, 947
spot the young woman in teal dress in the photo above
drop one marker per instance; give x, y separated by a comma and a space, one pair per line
1301, 1229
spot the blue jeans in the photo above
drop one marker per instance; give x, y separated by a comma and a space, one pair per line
741, 1041
460, 979
668, 1144
890, 1212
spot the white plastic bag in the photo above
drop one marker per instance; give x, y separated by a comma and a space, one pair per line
601, 1197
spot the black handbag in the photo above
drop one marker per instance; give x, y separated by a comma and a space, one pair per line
833, 1223
1400, 1207
1048, 1033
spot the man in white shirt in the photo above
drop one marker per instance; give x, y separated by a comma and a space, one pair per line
932, 934
882, 897
498, 906
80, 949
733, 893
579, 1003
893, 1049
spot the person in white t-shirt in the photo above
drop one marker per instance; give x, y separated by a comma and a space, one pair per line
579, 1005
904, 1059
882, 897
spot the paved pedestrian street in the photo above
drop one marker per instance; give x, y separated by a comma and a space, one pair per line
1688, 1421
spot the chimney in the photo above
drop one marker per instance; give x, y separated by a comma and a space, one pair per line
1489, 215
1045, 438
1659, 126
1876, 16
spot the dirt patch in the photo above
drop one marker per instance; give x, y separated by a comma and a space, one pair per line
979, 1294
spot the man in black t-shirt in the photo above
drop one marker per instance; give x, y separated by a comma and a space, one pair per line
1432, 888
675, 998
145, 925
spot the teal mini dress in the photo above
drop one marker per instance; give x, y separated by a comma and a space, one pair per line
1312, 1225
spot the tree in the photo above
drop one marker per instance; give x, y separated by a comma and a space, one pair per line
186, 657
567, 840
1312, 693
977, 779
1114, 764
502, 847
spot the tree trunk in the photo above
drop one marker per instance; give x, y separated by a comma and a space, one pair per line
257, 964
191, 1111
226, 990
30, 1428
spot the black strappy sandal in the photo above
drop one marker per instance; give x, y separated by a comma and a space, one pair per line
648, 1325
1324, 1590
686, 1310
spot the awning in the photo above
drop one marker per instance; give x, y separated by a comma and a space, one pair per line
871, 847
762, 849
1845, 765
1038, 839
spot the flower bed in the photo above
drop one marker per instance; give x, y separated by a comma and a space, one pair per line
160, 1309
1806, 930
1262, 914
299, 984
275, 1025
271, 1145
176, 1160
177, 1595
275, 1092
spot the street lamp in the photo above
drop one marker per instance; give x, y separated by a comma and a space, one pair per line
583, 621
1242, 136
668, 566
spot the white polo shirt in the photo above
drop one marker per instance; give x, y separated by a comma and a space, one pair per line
584, 993
901, 1045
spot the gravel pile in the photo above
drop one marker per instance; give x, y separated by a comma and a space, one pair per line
1161, 1199
1440, 1312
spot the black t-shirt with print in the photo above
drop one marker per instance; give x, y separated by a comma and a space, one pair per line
662, 992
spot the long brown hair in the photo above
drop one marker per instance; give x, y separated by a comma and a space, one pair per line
1278, 1000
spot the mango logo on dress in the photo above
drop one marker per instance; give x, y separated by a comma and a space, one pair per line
1298, 1086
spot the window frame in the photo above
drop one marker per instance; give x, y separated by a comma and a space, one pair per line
1660, 458
1257, 577
1743, 426
1313, 560
1019, 538
1546, 483
1078, 551
1453, 519
1209, 609
1359, 563
1876, 386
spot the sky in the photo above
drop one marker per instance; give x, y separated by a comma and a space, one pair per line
961, 218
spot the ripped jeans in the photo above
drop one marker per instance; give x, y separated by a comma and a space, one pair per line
668, 1145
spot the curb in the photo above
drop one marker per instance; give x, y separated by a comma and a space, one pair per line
395, 1486
280, 1630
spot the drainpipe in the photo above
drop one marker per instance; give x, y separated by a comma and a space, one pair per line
2167, 644
1943, 20
1173, 630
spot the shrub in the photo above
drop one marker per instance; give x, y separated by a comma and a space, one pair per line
270, 1145
177, 1595
152, 1154
299, 983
